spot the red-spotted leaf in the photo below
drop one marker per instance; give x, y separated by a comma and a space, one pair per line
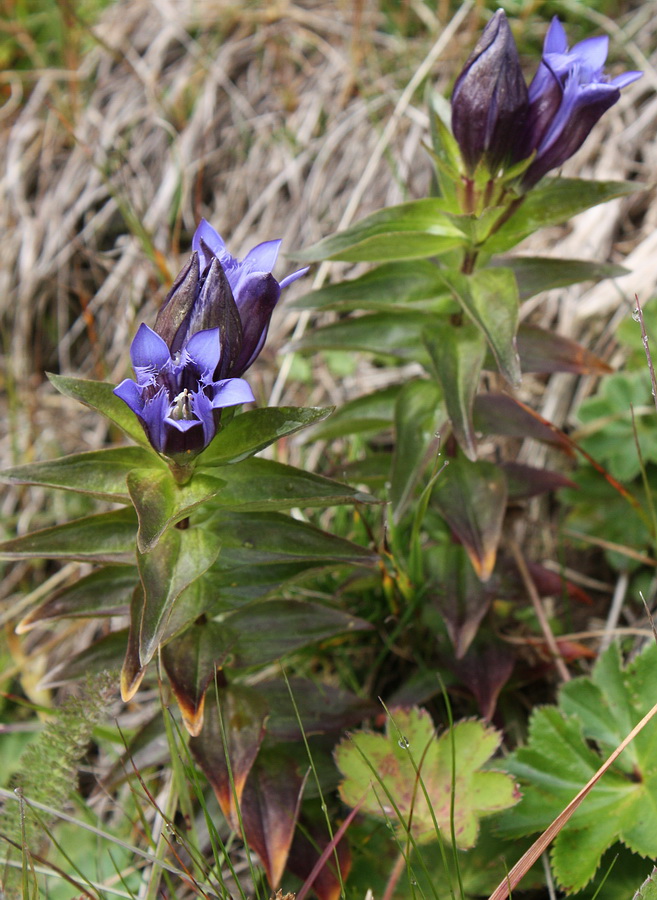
471, 497
160, 502
243, 713
180, 557
270, 808
490, 299
547, 352
383, 768
457, 355
105, 592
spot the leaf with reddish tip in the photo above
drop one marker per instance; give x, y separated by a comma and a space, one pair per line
307, 846
180, 557
490, 298
526, 481
459, 595
132, 671
502, 414
243, 712
190, 660
471, 497
547, 352
270, 808
457, 355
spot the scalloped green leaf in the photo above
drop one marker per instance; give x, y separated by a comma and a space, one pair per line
567, 745
412, 230
99, 395
99, 473
252, 431
379, 770
105, 537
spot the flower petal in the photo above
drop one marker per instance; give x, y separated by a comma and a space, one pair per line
148, 350
293, 277
230, 392
591, 52
204, 349
556, 40
621, 81
129, 392
154, 419
263, 257
212, 240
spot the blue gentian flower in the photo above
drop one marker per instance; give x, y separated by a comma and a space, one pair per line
567, 96
489, 100
175, 396
215, 290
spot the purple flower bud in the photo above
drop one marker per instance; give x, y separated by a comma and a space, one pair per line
568, 95
490, 100
176, 397
215, 290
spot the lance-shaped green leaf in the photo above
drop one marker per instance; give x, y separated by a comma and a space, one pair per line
160, 502
100, 473
457, 356
471, 497
384, 769
490, 298
106, 537
568, 744
524, 482
180, 557
262, 484
256, 429
243, 713
105, 592
554, 201
270, 809
372, 412
392, 286
104, 655
99, 395
544, 273
132, 669
254, 539
385, 334
419, 414
412, 230
547, 352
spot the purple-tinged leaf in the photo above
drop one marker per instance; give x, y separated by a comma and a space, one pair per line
526, 481
458, 594
133, 670
244, 713
105, 538
180, 557
552, 584
471, 497
502, 414
270, 808
457, 355
305, 851
485, 671
105, 592
547, 352
160, 502
104, 655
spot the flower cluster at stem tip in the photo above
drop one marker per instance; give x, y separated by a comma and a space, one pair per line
500, 122
210, 329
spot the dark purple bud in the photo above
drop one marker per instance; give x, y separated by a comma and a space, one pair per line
178, 303
216, 308
490, 99
258, 296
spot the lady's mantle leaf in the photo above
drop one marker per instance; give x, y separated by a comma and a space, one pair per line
384, 770
558, 761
